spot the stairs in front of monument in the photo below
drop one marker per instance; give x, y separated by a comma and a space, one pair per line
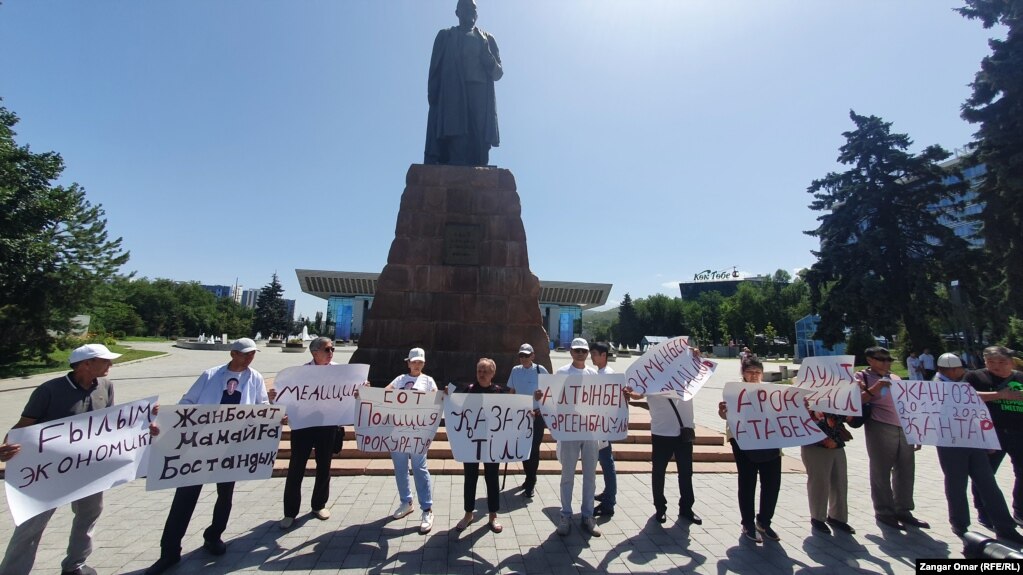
711, 454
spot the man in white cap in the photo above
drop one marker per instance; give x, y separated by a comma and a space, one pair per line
968, 463
234, 383
84, 389
570, 451
524, 380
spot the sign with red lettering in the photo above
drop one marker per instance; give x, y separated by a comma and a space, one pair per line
943, 413
489, 427
581, 407
201, 444
768, 415
317, 395
67, 459
829, 379
395, 420
670, 367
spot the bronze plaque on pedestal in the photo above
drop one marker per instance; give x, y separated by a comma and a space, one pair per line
462, 244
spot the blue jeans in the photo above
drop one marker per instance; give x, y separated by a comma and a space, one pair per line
419, 472
607, 467
570, 451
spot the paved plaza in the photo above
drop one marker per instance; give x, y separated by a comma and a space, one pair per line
360, 536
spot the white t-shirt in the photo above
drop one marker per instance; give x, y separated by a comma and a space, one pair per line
927, 361
569, 369
663, 421
407, 382
605, 370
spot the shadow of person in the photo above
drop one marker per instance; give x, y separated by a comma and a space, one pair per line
908, 546
368, 542
841, 553
653, 539
750, 557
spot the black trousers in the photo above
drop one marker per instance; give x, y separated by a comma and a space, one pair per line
303, 442
960, 464
181, 511
1012, 445
491, 472
664, 448
533, 463
770, 486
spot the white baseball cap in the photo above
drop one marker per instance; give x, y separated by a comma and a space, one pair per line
526, 349
416, 354
244, 345
949, 360
91, 351
580, 343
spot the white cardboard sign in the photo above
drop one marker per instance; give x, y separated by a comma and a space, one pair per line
489, 427
670, 366
393, 420
66, 459
943, 413
584, 407
318, 395
829, 379
769, 415
201, 444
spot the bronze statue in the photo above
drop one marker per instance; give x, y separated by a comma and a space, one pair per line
462, 124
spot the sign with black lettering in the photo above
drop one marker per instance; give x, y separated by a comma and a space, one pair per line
584, 407
66, 459
397, 420
489, 427
462, 244
201, 444
318, 395
768, 415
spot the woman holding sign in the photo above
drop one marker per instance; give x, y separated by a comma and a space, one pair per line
485, 370
749, 463
414, 380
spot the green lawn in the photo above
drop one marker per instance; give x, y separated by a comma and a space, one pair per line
145, 338
58, 361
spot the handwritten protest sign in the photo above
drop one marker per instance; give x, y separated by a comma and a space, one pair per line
580, 407
943, 413
201, 444
768, 415
670, 366
66, 459
491, 428
318, 395
829, 379
392, 420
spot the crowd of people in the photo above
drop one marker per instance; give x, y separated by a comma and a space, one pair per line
891, 458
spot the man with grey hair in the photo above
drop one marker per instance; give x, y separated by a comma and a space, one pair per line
86, 388
993, 384
303, 443
962, 464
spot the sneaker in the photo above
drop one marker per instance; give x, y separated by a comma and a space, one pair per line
404, 509
162, 564
287, 522
564, 526
749, 532
82, 570
590, 526
528, 493
215, 546
820, 526
768, 532
427, 523
321, 514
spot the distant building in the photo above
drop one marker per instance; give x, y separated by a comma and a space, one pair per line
349, 298
219, 291
726, 282
291, 310
249, 298
963, 222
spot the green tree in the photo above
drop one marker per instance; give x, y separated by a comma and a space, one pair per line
271, 315
54, 248
882, 248
628, 328
996, 106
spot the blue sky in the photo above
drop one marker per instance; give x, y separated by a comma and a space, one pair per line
649, 139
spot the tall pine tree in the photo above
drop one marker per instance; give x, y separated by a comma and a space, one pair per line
882, 248
271, 317
996, 105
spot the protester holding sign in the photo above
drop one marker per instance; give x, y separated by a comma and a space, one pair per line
827, 481
998, 385
749, 463
486, 368
892, 459
962, 464
234, 383
609, 497
414, 380
84, 389
523, 380
304, 441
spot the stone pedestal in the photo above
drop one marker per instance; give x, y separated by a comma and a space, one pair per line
457, 281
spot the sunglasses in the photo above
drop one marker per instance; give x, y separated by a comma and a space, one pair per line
883, 359
327, 350
525, 354
580, 351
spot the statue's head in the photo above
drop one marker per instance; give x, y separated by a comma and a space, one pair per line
466, 12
